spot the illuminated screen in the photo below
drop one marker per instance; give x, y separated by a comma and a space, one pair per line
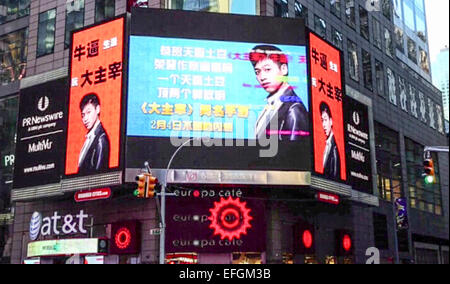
94, 123
327, 108
205, 88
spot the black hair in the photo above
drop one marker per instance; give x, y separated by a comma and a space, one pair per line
91, 98
325, 108
261, 52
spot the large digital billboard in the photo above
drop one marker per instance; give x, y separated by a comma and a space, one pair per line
95, 99
239, 90
40, 134
327, 96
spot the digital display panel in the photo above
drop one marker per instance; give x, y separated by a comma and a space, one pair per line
95, 101
240, 93
204, 88
327, 96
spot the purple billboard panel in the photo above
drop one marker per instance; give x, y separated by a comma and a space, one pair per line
401, 213
215, 224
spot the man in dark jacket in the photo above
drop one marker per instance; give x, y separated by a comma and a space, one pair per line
285, 114
94, 155
331, 159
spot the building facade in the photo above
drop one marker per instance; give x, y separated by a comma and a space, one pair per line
440, 78
386, 61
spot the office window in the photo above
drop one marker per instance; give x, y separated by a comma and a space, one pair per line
337, 38
367, 70
335, 7
422, 196
281, 8
399, 40
421, 29
364, 23
247, 7
412, 50
389, 168
301, 11
408, 12
46, 33
13, 56
353, 63
13, 9
377, 34
389, 43
350, 13
320, 26
74, 18
104, 9
398, 9
379, 78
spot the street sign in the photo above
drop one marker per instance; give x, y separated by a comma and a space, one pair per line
155, 232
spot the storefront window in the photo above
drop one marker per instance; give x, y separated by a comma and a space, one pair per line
13, 9
74, 18
247, 7
104, 9
13, 56
46, 33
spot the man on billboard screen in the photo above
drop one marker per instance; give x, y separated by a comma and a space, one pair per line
331, 160
94, 155
284, 108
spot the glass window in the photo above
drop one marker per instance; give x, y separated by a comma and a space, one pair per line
236, 7
389, 44
388, 162
13, 56
399, 40
13, 9
74, 18
379, 77
364, 22
367, 70
337, 37
281, 8
46, 33
353, 60
301, 11
398, 9
335, 7
412, 50
408, 11
424, 64
421, 29
386, 7
104, 9
377, 33
320, 26
350, 13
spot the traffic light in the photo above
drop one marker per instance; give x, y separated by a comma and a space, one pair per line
152, 186
141, 181
428, 171
344, 243
304, 238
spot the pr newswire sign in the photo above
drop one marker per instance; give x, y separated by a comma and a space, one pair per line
40, 135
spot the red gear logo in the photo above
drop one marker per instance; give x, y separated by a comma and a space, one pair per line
230, 218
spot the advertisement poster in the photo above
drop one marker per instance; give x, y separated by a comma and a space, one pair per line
206, 88
327, 96
95, 102
40, 135
358, 145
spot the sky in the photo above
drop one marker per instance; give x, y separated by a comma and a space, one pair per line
438, 25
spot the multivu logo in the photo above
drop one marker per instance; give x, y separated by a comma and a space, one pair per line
35, 225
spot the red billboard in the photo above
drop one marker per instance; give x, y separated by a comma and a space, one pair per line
327, 109
95, 100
